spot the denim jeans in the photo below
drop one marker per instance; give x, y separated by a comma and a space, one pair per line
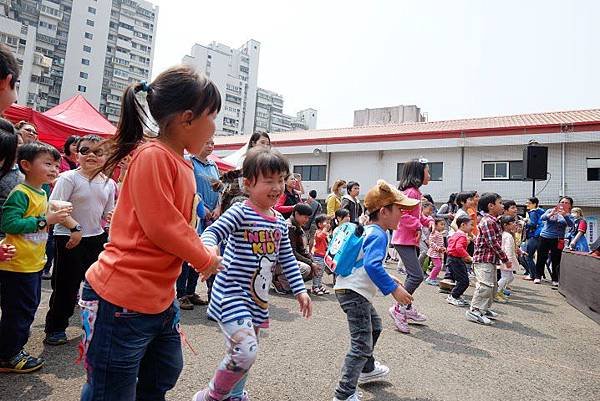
365, 327
187, 281
20, 295
130, 355
532, 245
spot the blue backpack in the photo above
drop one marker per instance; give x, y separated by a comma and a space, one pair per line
344, 252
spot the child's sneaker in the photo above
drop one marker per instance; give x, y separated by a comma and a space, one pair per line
56, 338
377, 374
477, 317
21, 363
500, 298
507, 292
537, 281
185, 303
432, 281
490, 314
399, 318
446, 284
353, 397
414, 315
456, 302
244, 397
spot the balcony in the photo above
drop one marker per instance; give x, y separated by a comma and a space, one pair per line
47, 39
46, 81
41, 60
125, 32
50, 12
125, 44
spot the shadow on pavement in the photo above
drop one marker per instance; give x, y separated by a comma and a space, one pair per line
520, 328
25, 387
447, 342
61, 360
283, 314
385, 391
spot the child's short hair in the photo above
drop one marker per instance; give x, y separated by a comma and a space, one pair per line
374, 215
462, 197
339, 215
534, 200
351, 185
320, 219
425, 204
312, 193
577, 210
8, 146
303, 209
8, 65
462, 220
33, 150
506, 220
438, 220
486, 199
508, 203
88, 138
263, 161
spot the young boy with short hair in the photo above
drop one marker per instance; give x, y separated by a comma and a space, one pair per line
488, 255
319, 251
355, 291
458, 257
25, 221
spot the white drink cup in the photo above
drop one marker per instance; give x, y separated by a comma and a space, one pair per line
55, 205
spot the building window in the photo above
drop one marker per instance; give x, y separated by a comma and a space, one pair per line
312, 172
85, 61
90, 22
502, 170
593, 169
436, 171
81, 88
83, 75
91, 10
89, 35
87, 49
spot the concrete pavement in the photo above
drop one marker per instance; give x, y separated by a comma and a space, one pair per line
540, 349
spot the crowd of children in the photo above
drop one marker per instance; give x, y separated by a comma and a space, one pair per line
127, 298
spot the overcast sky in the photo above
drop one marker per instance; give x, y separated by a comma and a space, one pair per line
454, 59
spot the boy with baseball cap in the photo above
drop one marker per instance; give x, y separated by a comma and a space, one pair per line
354, 292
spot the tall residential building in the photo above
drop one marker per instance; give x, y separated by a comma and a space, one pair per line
270, 116
388, 115
92, 47
235, 73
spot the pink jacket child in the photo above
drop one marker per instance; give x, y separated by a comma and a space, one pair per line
411, 222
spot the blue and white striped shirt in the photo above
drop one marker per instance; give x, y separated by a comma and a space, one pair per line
255, 243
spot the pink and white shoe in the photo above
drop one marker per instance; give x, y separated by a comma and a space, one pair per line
399, 318
202, 395
414, 315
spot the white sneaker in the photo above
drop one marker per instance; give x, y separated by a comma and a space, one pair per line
377, 374
456, 302
555, 284
353, 397
537, 281
477, 317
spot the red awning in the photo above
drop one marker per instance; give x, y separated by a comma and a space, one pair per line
76, 116
221, 164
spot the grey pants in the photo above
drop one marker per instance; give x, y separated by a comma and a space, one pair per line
365, 327
486, 287
414, 272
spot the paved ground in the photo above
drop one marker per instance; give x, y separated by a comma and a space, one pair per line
540, 349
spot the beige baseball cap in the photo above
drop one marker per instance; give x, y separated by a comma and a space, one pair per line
383, 194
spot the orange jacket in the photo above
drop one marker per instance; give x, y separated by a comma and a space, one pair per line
152, 232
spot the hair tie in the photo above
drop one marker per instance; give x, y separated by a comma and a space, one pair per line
145, 87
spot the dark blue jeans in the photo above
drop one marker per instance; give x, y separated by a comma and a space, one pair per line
187, 281
531, 248
365, 327
20, 295
131, 356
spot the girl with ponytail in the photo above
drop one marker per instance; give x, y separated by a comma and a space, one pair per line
131, 343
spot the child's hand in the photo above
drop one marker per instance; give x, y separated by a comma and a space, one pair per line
7, 252
468, 259
305, 304
402, 296
214, 268
109, 216
58, 216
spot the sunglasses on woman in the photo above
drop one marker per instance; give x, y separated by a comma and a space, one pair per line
30, 130
84, 151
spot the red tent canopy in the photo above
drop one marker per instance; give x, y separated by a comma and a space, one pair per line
221, 164
76, 116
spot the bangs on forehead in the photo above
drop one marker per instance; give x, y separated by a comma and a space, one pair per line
264, 162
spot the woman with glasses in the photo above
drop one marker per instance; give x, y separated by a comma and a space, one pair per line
28, 131
81, 238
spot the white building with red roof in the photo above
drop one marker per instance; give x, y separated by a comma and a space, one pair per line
484, 154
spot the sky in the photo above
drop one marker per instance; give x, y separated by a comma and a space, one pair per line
453, 58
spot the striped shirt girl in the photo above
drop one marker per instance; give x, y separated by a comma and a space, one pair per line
255, 243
